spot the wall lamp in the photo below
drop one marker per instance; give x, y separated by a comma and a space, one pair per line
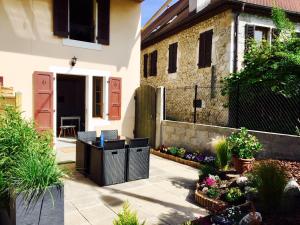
73, 61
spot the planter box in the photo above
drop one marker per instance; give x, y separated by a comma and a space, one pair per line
208, 203
4, 218
48, 210
176, 159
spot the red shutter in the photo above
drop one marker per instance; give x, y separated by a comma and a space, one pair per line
103, 21
60, 18
1, 81
173, 58
43, 100
115, 97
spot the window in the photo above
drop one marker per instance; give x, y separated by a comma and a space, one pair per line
153, 63
173, 58
205, 49
257, 33
82, 20
146, 65
97, 96
1, 81
82, 27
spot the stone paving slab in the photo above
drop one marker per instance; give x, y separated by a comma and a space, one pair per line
165, 198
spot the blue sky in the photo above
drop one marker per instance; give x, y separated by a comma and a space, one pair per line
149, 7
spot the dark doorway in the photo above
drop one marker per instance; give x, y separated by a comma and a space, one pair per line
71, 101
82, 20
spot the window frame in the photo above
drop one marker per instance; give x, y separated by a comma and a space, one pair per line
101, 98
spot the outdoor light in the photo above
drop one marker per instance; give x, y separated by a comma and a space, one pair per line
73, 61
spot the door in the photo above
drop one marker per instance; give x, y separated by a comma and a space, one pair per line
43, 100
145, 113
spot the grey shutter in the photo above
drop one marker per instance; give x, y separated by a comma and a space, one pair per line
60, 18
103, 22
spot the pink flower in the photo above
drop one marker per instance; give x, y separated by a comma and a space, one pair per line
209, 182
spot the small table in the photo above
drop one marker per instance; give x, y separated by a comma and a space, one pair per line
70, 118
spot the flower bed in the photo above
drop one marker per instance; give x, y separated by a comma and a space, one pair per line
176, 159
181, 155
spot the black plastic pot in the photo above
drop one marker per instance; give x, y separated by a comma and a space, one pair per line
46, 210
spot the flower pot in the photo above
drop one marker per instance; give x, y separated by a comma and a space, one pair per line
47, 209
236, 163
245, 165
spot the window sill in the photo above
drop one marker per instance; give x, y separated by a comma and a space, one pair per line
82, 44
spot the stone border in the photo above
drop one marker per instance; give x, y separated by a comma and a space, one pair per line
176, 159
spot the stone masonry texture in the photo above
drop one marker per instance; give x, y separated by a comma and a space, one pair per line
180, 85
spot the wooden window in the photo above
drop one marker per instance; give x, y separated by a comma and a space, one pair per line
153, 63
75, 19
257, 33
146, 65
97, 96
1, 81
173, 58
205, 49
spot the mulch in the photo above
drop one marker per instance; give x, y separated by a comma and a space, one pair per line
292, 168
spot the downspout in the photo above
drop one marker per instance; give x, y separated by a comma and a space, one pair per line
235, 60
236, 38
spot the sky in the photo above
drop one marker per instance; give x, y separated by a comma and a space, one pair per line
149, 7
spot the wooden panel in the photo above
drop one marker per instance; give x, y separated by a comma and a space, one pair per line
43, 100
145, 119
1, 81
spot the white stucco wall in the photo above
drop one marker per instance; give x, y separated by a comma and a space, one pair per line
27, 44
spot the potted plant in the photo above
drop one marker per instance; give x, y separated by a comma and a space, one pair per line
31, 186
243, 147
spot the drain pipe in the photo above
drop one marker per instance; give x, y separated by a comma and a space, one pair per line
235, 59
236, 40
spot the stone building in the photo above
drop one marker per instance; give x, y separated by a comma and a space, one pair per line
198, 42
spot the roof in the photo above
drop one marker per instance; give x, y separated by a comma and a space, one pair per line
177, 17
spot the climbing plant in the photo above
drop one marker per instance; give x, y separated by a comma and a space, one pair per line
275, 66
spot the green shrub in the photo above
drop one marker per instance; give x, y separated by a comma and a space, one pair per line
243, 145
213, 193
181, 152
271, 180
206, 170
220, 147
173, 151
127, 217
233, 195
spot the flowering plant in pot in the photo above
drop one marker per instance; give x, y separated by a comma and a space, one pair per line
243, 147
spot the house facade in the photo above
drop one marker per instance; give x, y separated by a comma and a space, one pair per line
75, 62
196, 42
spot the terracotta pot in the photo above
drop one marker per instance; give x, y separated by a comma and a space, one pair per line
236, 163
246, 165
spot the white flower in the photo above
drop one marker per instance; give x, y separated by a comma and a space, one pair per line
204, 190
242, 181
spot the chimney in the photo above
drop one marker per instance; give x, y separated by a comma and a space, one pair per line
198, 5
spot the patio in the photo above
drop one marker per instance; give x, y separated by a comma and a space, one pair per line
165, 198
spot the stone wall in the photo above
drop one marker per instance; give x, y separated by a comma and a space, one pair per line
197, 137
180, 85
